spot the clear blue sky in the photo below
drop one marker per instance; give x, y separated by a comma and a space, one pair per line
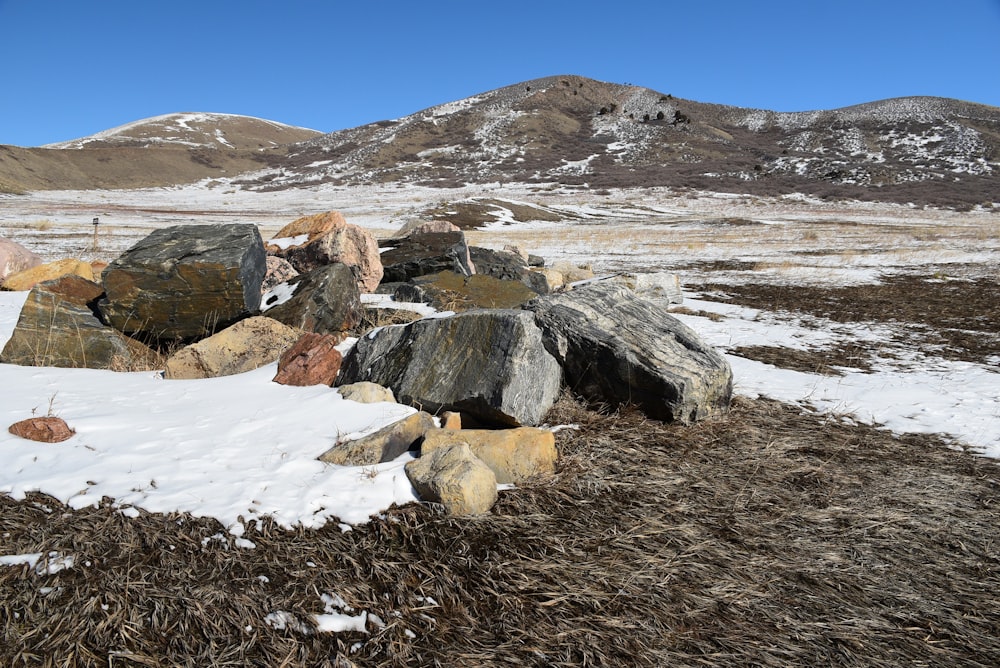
72, 68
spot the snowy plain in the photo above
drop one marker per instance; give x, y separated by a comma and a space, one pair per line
242, 447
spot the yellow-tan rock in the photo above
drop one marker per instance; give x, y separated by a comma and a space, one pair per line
455, 478
513, 455
29, 278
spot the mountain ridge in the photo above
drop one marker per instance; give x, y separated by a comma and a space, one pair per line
581, 132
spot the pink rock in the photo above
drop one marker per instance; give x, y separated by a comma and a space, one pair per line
15, 258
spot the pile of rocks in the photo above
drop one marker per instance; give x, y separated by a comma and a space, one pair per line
224, 302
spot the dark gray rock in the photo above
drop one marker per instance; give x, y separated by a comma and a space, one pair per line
325, 300
421, 254
185, 282
491, 364
58, 326
617, 349
506, 266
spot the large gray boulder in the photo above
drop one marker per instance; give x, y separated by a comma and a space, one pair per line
325, 300
422, 254
618, 349
491, 364
58, 327
185, 282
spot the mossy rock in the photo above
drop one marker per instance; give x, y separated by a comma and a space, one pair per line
450, 291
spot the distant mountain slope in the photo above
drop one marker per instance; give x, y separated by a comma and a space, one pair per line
574, 130
195, 130
164, 150
563, 129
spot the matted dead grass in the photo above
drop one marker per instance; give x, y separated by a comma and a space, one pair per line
950, 318
769, 537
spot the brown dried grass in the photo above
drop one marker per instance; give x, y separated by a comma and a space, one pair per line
769, 537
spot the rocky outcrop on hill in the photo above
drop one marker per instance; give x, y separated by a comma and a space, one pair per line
489, 363
185, 282
617, 349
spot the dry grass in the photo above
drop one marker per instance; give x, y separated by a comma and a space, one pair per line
770, 537
954, 319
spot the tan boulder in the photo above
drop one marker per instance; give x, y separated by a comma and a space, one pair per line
279, 270
304, 230
383, 445
572, 273
42, 429
450, 420
425, 227
553, 278
29, 278
365, 392
322, 239
512, 454
312, 360
455, 478
245, 346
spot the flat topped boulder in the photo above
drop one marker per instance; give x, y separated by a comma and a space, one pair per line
185, 282
616, 349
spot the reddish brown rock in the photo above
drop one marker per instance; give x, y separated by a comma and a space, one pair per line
312, 360
42, 429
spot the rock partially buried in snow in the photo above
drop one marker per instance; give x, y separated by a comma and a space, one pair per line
245, 346
312, 360
48, 429
618, 349
383, 445
455, 478
366, 393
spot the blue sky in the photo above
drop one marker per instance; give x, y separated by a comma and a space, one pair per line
73, 68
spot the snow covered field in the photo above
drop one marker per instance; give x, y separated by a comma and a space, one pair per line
242, 447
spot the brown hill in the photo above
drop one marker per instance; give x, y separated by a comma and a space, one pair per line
159, 151
568, 130
573, 130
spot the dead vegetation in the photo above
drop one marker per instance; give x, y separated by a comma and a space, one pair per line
952, 318
770, 537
